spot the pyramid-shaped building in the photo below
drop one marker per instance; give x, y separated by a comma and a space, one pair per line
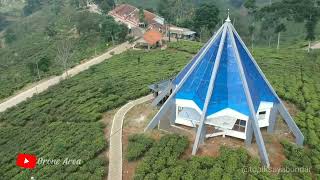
223, 87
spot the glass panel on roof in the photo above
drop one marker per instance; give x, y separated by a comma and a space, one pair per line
228, 91
258, 88
196, 86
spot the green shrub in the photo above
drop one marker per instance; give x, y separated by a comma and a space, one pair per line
162, 161
138, 145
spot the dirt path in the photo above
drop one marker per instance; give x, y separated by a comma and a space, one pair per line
44, 85
115, 148
316, 46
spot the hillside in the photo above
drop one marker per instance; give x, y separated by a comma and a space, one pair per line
32, 42
295, 31
33, 39
72, 120
81, 101
11, 7
295, 76
65, 121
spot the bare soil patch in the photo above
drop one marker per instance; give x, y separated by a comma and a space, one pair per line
138, 117
134, 123
292, 108
272, 142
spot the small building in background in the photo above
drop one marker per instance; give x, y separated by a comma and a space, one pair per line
151, 39
129, 15
182, 33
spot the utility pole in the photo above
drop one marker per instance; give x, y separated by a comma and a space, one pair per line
309, 47
252, 41
278, 45
38, 72
168, 30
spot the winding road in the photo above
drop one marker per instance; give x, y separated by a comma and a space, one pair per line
115, 149
44, 85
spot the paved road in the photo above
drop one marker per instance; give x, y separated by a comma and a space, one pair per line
42, 86
115, 149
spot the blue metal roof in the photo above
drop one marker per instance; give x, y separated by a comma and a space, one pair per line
258, 88
228, 91
184, 71
196, 86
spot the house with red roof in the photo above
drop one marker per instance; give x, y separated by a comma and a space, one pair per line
129, 15
151, 39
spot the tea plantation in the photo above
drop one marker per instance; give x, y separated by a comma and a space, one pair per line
295, 75
63, 121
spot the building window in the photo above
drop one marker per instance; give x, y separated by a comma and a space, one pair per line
262, 114
240, 125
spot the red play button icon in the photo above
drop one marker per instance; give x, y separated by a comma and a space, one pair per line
26, 161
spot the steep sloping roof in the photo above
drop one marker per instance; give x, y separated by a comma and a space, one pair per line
152, 37
124, 9
228, 87
224, 75
149, 16
131, 13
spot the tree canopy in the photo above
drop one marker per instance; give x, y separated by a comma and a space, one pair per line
250, 5
3, 22
206, 15
113, 31
296, 10
164, 10
105, 5
31, 7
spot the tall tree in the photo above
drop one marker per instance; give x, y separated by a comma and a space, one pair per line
164, 10
141, 16
206, 15
205, 34
31, 7
252, 8
267, 28
87, 22
78, 3
250, 5
298, 10
50, 30
43, 64
56, 6
112, 31
10, 35
105, 5
236, 3
3, 22
64, 53
279, 28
